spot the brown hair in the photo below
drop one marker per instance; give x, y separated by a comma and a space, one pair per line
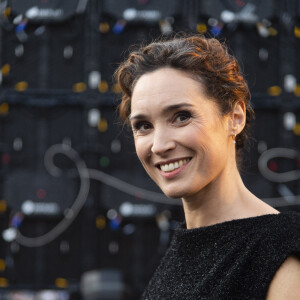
204, 59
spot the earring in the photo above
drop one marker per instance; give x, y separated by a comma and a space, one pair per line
233, 138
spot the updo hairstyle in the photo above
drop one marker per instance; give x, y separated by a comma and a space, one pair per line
206, 60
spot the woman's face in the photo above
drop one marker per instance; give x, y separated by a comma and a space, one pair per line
180, 136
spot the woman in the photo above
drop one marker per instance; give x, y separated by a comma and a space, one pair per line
189, 109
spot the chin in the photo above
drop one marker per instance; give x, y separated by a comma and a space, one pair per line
174, 194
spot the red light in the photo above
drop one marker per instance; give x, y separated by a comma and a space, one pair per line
273, 166
41, 193
240, 3
6, 158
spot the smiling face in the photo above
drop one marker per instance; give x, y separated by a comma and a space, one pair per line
180, 136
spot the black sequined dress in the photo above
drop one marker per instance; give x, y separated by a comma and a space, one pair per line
231, 260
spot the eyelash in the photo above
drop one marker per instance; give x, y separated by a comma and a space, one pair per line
137, 126
183, 113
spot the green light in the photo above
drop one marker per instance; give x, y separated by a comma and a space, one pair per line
104, 161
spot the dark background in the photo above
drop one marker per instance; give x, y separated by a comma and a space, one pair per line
56, 88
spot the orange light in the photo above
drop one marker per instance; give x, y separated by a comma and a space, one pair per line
273, 31
116, 89
61, 283
297, 90
274, 90
201, 28
102, 125
5, 70
297, 32
296, 129
100, 222
103, 86
3, 282
79, 87
2, 265
6, 12
104, 27
4, 108
21, 86
3, 207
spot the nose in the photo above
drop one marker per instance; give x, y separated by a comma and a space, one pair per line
162, 142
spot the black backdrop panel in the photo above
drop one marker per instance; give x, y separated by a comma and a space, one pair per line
47, 11
149, 20
46, 98
54, 53
252, 36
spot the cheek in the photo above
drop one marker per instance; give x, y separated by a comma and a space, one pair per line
197, 138
209, 136
143, 153
207, 144
141, 148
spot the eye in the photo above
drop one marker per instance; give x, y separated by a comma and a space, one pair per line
182, 116
141, 127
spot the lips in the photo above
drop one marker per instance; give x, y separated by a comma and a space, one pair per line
169, 167
168, 173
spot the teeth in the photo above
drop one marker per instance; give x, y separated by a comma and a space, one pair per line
174, 165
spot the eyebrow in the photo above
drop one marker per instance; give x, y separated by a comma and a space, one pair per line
165, 110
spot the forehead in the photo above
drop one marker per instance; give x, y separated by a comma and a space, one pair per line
164, 86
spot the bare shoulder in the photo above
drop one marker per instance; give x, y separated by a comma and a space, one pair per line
285, 284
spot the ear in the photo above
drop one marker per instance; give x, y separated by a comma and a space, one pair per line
238, 118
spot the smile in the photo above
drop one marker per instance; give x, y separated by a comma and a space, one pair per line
174, 165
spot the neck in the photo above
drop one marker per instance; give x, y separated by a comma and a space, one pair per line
223, 200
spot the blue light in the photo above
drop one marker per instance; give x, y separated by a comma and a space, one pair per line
114, 224
216, 30
119, 27
16, 220
21, 26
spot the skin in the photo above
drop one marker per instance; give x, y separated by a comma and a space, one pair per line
285, 284
210, 185
172, 119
